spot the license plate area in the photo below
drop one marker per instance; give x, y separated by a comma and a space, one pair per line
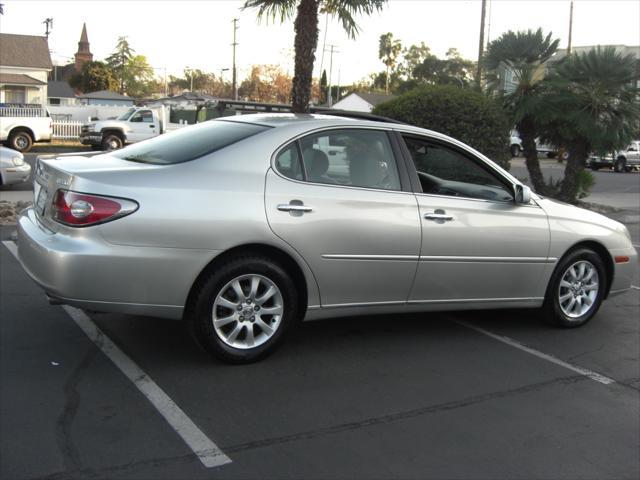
41, 202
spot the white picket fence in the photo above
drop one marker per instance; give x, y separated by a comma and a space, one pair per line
66, 129
22, 111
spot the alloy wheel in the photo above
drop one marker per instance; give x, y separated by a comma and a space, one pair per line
578, 289
247, 311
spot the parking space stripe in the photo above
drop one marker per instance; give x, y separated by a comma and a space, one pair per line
635, 288
206, 451
545, 356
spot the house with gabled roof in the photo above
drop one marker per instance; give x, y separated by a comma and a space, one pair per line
25, 64
60, 93
105, 97
361, 101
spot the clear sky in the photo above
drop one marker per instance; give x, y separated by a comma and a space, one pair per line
180, 33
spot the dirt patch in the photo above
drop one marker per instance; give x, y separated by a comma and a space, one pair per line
9, 211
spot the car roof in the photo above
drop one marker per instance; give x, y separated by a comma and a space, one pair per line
308, 119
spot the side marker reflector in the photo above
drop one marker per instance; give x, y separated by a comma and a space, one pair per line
621, 259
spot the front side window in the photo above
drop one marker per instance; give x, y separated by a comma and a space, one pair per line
144, 116
444, 171
359, 158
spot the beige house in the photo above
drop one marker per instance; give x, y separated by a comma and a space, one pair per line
25, 64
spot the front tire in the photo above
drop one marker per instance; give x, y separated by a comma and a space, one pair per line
576, 289
242, 310
112, 142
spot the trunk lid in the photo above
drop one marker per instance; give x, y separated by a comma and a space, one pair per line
90, 173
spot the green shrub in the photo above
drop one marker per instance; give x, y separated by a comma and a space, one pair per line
463, 114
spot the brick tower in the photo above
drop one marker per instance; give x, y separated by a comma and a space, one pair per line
83, 55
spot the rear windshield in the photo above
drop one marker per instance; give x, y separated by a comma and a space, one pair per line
189, 143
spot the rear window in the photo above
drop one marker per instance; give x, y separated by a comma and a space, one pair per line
189, 143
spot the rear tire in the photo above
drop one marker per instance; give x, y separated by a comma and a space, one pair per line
620, 166
21, 141
241, 312
576, 289
515, 150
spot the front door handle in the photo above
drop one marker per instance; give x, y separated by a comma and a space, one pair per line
152, 126
292, 207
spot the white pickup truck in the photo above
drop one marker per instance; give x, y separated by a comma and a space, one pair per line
135, 125
21, 132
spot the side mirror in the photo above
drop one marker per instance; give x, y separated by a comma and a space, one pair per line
522, 194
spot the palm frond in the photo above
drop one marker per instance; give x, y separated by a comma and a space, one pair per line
346, 10
273, 10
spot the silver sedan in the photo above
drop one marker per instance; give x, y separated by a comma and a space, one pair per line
13, 168
245, 225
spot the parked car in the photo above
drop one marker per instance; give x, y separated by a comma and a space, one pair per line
135, 125
242, 226
13, 168
516, 147
21, 127
621, 161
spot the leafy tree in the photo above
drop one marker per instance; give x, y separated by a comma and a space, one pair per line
525, 54
119, 60
323, 87
204, 82
593, 105
462, 113
306, 33
388, 51
453, 69
138, 76
93, 77
414, 56
266, 83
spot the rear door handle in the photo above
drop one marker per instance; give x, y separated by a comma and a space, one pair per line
438, 215
288, 207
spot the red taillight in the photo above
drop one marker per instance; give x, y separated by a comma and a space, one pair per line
81, 209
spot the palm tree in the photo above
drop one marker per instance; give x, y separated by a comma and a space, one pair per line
594, 105
388, 52
525, 55
306, 33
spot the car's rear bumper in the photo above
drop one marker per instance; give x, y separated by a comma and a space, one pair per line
80, 268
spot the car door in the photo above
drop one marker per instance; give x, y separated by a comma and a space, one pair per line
351, 216
142, 125
633, 154
477, 244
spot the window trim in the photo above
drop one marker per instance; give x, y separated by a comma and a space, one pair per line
403, 174
415, 180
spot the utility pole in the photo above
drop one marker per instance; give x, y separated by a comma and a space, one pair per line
570, 27
332, 50
234, 72
481, 47
49, 25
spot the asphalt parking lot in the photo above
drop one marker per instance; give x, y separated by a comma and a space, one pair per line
495, 394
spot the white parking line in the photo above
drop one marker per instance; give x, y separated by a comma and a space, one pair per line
206, 451
545, 356
635, 245
635, 288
